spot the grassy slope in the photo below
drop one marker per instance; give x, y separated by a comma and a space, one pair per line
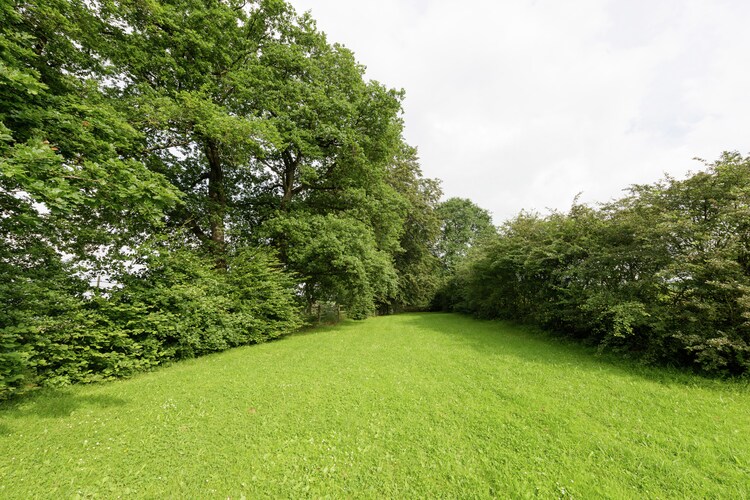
413, 405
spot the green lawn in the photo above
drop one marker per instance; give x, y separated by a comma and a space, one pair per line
405, 406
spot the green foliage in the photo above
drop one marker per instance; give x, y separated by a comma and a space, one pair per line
179, 306
215, 126
417, 266
192, 309
66, 187
266, 128
662, 274
463, 225
464, 228
338, 259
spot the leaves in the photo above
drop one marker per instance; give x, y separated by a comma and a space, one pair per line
661, 274
158, 157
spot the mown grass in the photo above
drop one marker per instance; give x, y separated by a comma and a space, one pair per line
407, 406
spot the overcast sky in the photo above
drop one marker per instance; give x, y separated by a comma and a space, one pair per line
522, 104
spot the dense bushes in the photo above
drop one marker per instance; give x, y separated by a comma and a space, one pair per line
178, 307
662, 274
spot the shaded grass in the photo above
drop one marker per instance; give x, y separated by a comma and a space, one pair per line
407, 406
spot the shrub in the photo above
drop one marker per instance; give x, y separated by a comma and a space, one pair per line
662, 274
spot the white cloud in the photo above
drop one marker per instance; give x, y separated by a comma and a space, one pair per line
524, 104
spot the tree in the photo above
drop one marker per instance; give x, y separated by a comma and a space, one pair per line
267, 129
186, 74
417, 266
66, 186
140, 141
463, 226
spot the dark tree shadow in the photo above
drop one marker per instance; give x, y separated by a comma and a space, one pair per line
54, 403
314, 329
495, 337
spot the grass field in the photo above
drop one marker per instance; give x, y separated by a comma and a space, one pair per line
419, 405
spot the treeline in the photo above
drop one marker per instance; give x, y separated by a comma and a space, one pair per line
178, 177
182, 176
662, 274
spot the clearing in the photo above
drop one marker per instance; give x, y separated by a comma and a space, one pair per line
416, 405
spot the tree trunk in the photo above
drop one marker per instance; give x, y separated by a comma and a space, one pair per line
290, 171
217, 204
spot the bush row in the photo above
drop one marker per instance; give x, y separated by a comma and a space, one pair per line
662, 274
179, 306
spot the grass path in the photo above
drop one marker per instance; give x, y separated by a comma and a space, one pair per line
406, 406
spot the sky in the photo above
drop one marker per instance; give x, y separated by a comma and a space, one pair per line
524, 104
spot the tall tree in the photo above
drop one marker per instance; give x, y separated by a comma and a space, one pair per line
186, 72
463, 225
271, 133
417, 266
65, 185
